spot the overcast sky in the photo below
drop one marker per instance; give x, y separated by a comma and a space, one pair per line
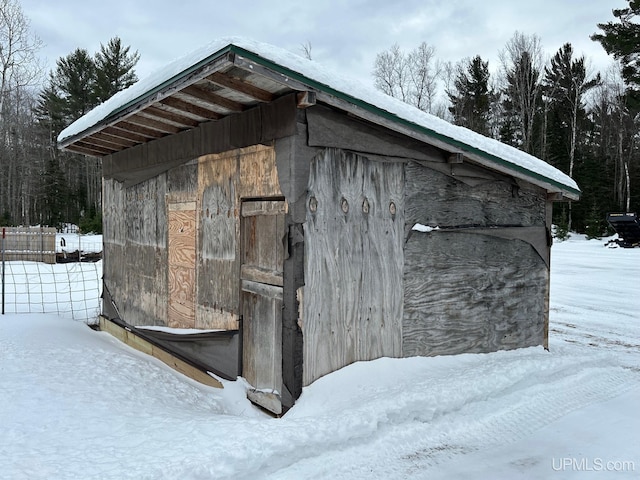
344, 35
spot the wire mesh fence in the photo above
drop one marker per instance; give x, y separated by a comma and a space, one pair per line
71, 287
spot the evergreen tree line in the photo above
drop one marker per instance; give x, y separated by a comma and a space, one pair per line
40, 184
586, 124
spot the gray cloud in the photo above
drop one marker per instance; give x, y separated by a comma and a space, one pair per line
345, 35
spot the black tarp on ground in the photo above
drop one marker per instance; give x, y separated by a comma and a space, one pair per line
218, 352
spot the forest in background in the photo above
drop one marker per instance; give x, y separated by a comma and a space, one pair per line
585, 123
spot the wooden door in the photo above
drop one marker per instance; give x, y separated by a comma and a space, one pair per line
262, 239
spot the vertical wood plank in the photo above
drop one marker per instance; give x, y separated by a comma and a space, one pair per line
262, 231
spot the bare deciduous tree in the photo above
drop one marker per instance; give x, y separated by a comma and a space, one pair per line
411, 77
18, 47
19, 70
306, 50
522, 62
621, 128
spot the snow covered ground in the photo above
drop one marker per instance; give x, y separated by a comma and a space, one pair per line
76, 404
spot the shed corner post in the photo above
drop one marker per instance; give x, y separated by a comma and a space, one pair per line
548, 225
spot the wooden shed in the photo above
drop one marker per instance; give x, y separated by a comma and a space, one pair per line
295, 221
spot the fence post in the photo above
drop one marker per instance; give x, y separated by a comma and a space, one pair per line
3, 236
41, 243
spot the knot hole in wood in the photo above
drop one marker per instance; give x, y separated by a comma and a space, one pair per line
345, 205
313, 204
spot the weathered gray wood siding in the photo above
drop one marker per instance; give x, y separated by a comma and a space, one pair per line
468, 289
135, 259
223, 180
353, 262
144, 183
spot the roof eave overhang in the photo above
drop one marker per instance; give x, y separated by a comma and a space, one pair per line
207, 66
238, 56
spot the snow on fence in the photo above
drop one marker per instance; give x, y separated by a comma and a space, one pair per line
38, 285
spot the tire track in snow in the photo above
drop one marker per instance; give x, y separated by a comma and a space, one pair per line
483, 421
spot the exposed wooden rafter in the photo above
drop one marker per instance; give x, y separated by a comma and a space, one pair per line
98, 142
123, 133
306, 99
144, 131
212, 98
154, 124
160, 112
455, 157
241, 86
76, 148
93, 148
191, 109
118, 142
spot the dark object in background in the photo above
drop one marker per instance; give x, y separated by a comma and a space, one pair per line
627, 225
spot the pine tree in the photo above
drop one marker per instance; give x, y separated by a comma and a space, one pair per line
79, 83
565, 84
472, 99
622, 39
114, 69
75, 79
50, 110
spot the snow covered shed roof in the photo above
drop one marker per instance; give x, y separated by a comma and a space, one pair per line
232, 75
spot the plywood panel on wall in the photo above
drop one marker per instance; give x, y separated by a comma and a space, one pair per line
481, 284
218, 230
258, 172
437, 199
471, 293
182, 261
138, 256
223, 179
353, 262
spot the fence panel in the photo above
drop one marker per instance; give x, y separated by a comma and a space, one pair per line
35, 244
39, 285
71, 289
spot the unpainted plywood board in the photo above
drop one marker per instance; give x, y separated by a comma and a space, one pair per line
182, 263
471, 293
353, 262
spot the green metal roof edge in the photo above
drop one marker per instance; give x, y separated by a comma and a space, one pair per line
393, 117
